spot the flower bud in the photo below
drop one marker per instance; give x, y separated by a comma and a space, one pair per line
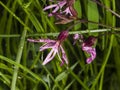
89, 41
63, 35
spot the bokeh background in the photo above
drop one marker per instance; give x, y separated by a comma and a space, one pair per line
21, 61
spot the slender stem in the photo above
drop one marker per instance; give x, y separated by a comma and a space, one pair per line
60, 88
18, 58
79, 80
116, 31
24, 69
104, 63
86, 21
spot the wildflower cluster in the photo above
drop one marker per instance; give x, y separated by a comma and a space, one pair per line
87, 46
64, 11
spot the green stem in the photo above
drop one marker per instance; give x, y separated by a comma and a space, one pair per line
60, 88
101, 81
104, 63
18, 58
76, 77
55, 34
24, 69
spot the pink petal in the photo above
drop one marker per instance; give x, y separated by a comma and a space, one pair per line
62, 3
76, 36
50, 14
64, 57
50, 56
91, 51
47, 40
47, 46
86, 48
41, 40
67, 11
59, 6
92, 57
56, 9
49, 7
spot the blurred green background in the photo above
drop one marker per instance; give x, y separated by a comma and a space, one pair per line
20, 60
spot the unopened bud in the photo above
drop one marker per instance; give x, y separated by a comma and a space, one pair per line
63, 35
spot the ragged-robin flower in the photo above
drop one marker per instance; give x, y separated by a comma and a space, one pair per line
58, 6
62, 6
87, 46
55, 46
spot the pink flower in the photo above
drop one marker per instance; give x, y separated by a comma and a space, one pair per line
68, 11
64, 6
87, 46
91, 51
78, 37
57, 6
56, 48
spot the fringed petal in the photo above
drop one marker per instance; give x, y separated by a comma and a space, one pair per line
92, 56
64, 57
41, 40
50, 56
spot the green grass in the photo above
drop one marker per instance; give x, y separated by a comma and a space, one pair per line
21, 61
